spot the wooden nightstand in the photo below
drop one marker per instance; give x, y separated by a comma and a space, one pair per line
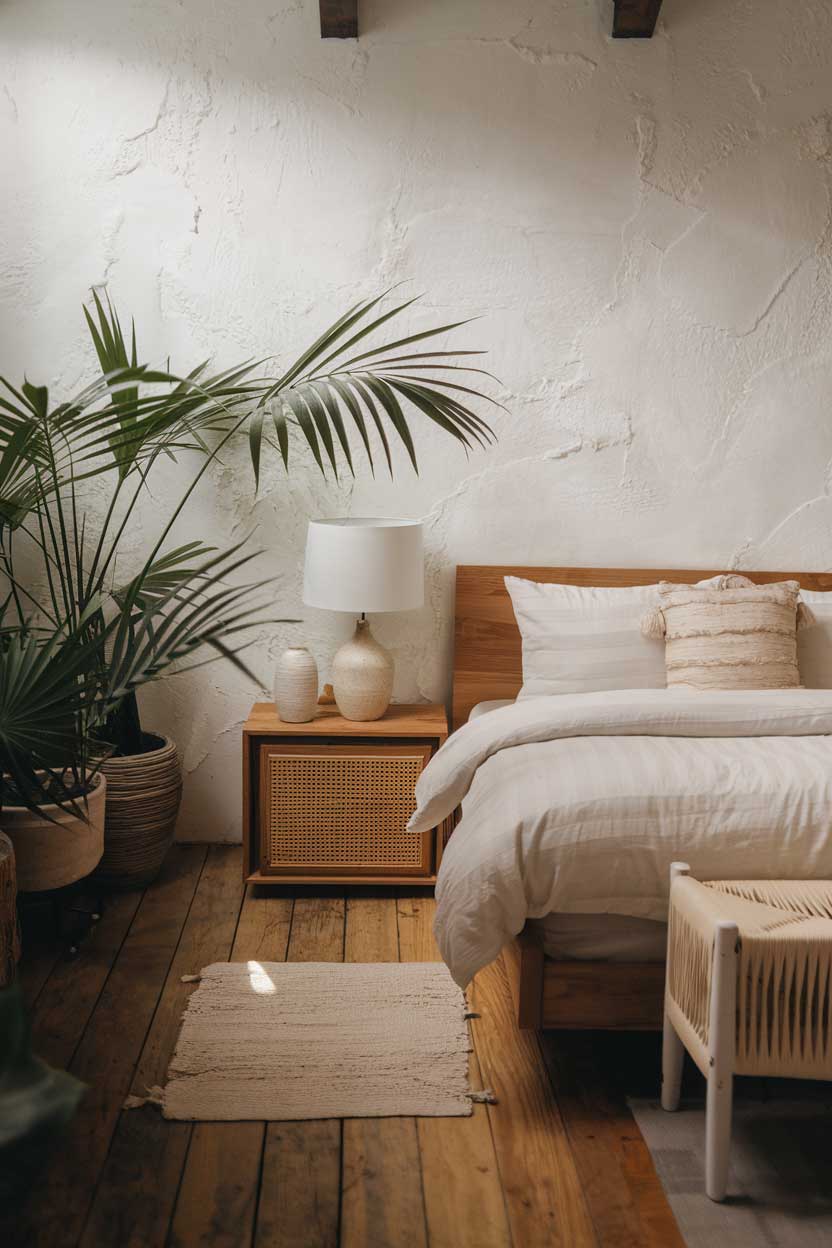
328, 802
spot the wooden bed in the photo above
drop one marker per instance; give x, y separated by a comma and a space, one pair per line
488, 664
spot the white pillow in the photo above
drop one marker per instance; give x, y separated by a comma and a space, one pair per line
584, 639
814, 643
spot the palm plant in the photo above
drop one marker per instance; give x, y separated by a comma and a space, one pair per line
75, 648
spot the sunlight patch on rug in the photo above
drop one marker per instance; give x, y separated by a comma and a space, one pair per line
294, 1040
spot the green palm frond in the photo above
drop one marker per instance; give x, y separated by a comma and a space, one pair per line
170, 571
113, 356
47, 688
333, 388
160, 630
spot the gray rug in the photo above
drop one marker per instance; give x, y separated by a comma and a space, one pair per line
780, 1189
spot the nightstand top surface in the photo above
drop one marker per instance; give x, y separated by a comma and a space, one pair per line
425, 720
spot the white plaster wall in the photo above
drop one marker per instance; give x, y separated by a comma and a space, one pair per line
643, 227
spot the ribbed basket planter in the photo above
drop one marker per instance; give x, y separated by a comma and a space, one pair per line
51, 853
143, 796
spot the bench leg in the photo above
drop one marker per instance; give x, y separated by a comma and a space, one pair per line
722, 1026
718, 1134
673, 1057
673, 1051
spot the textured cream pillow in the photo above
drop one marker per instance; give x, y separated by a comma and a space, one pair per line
737, 636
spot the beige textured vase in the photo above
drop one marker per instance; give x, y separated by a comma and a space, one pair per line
296, 686
53, 854
362, 676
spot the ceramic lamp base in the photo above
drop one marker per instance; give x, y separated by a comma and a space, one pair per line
362, 676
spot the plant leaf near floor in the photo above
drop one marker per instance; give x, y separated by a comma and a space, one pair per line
36, 1102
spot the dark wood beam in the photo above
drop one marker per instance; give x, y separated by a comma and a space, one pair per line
633, 19
339, 19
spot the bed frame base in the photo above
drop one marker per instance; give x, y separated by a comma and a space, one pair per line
609, 996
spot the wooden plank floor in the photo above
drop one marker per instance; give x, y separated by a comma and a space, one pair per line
557, 1161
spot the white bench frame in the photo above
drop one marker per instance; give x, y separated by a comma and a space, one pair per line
721, 1061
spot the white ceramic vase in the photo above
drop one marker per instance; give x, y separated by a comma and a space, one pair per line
362, 676
296, 686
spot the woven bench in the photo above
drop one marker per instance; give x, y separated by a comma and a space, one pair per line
748, 992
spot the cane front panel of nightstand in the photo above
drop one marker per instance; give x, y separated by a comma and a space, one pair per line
333, 809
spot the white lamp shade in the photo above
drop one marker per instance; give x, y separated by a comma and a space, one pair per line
364, 565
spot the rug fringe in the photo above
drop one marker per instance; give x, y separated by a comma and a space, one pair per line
155, 1096
485, 1097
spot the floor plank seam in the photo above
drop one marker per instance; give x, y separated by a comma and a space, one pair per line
340, 1219
289, 932
259, 1185
541, 1047
104, 984
397, 896
421, 1180
175, 1203
489, 1111
32, 1002
265, 1136
396, 900
169, 1230
243, 896
137, 1062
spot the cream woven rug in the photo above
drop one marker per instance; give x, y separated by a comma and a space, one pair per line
288, 1040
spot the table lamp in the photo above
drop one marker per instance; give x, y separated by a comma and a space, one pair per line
360, 566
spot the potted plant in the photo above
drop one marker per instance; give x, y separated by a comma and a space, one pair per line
121, 425
74, 646
52, 812
61, 683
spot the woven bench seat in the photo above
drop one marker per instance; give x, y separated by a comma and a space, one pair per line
748, 991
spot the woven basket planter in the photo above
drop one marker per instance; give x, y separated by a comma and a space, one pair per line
143, 795
55, 851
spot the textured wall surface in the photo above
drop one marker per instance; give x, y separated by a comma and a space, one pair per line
643, 227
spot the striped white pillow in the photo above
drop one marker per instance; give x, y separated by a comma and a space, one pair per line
583, 639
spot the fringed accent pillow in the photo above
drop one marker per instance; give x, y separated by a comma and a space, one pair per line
736, 635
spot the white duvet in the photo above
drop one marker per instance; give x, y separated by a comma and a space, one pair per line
579, 803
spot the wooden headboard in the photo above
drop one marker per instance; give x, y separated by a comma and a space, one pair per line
487, 657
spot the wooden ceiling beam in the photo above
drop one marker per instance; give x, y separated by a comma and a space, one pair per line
632, 19
339, 19
635, 19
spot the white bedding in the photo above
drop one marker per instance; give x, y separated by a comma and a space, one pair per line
578, 803
601, 938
